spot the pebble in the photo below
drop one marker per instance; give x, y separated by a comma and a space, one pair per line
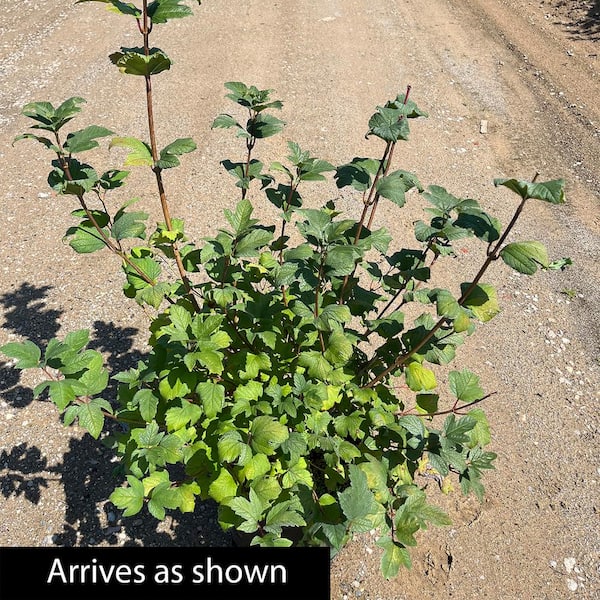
569, 563
572, 585
43, 195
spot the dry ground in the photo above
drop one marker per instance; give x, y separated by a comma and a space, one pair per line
530, 69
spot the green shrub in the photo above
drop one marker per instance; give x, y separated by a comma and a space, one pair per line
285, 380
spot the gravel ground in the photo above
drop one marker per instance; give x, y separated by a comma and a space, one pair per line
529, 70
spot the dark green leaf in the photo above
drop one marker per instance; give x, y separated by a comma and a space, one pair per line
85, 139
549, 191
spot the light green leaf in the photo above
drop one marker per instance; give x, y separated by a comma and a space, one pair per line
525, 257
482, 301
267, 434
91, 418
480, 434
419, 379
131, 498
140, 155
212, 396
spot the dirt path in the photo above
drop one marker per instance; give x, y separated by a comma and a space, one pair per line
530, 70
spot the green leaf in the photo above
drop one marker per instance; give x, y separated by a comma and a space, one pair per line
318, 366
61, 393
28, 355
161, 11
339, 349
256, 467
85, 239
395, 185
129, 225
117, 6
249, 510
212, 396
548, 191
147, 403
163, 496
85, 139
480, 434
91, 418
341, 260
267, 434
358, 502
525, 257
419, 379
168, 155
264, 126
131, 498
49, 118
82, 178
250, 243
482, 301
388, 124
240, 219
179, 417
225, 122
140, 155
42, 140
133, 61
465, 385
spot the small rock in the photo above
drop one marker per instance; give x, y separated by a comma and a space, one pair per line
483, 127
43, 195
111, 517
572, 585
570, 563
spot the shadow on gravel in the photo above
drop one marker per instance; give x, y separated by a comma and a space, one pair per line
585, 19
88, 478
26, 315
87, 472
24, 466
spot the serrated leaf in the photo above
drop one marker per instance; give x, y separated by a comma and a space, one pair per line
339, 349
251, 243
267, 434
482, 301
465, 385
168, 155
525, 257
256, 467
129, 225
161, 11
179, 417
147, 403
131, 498
212, 396
480, 434
28, 355
264, 126
91, 418
358, 502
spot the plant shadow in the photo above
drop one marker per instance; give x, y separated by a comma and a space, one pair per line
87, 471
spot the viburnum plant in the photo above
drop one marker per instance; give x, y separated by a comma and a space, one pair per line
285, 379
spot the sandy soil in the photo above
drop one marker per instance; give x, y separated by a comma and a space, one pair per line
530, 69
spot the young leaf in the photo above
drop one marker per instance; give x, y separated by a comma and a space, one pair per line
419, 379
212, 396
264, 126
482, 301
394, 556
